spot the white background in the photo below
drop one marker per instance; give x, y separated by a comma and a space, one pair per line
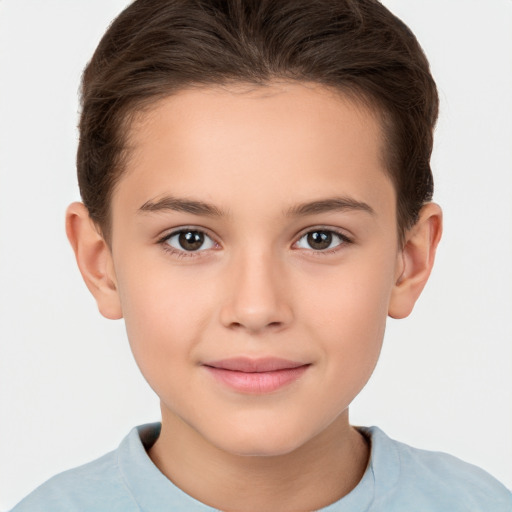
69, 389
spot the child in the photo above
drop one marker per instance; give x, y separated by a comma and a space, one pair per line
256, 188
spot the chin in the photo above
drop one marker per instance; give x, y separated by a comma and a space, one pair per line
270, 441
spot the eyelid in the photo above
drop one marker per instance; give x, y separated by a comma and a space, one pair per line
162, 240
345, 239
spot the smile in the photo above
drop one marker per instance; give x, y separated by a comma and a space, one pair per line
256, 376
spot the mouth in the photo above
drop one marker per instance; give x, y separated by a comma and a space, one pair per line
256, 376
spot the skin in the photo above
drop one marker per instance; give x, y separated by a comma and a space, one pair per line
257, 287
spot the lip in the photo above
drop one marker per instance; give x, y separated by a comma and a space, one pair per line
256, 376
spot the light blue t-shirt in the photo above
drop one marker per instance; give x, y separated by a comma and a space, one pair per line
398, 479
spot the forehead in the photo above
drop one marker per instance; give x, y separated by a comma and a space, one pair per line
253, 110
303, 139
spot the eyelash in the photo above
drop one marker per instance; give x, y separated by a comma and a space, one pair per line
345, 240
177, 253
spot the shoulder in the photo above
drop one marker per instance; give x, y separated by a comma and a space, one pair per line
427, 480
125, 480
97, 486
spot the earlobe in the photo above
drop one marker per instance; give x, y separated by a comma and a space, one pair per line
94, 260
416, 260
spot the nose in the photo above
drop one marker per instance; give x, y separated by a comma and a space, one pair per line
257, 294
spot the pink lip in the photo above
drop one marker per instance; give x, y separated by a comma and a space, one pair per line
256, 376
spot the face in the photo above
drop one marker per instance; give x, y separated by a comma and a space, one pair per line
254, 245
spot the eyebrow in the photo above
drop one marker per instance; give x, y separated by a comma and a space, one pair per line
201, 208
329, 205
182, 205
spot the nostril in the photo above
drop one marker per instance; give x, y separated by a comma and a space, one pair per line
254, 327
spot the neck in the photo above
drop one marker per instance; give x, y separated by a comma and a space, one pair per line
310, 477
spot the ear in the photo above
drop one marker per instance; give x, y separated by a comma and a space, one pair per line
416, 260
94, 260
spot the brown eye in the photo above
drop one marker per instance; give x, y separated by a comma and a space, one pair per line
189, 240
321, 239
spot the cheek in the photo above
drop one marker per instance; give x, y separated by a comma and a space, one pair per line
165, 314
353, 295
347, 312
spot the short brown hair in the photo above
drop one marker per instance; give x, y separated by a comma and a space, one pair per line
157, 47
